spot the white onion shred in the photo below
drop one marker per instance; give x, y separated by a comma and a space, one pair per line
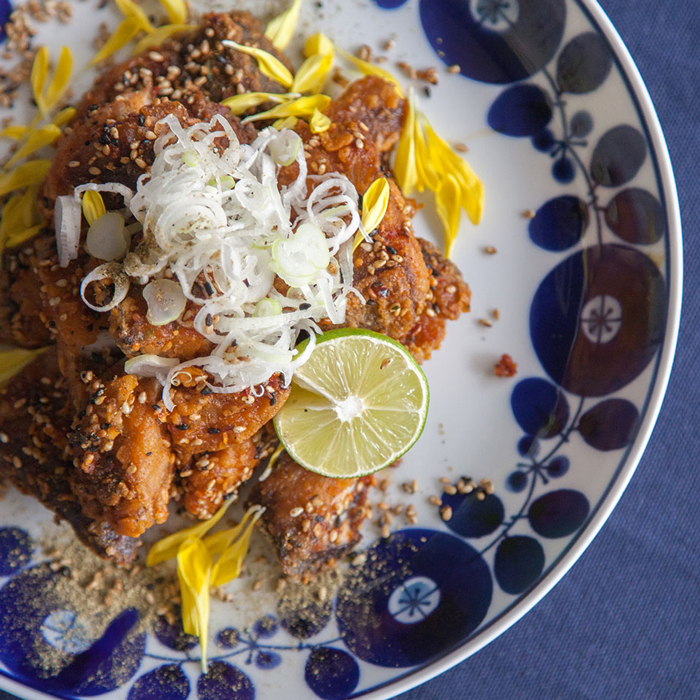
219, 221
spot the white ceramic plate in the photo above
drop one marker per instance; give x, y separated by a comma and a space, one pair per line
558, 123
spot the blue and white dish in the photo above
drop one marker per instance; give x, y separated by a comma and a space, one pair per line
582, 211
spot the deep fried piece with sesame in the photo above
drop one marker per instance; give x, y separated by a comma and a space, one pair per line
136, 336
34, 423
191, 61
204, 421
123, 455
114, 142
310, 519
20, 309
449, 297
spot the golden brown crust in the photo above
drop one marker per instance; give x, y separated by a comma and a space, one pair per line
310, 519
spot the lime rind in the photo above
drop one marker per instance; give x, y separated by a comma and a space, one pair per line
394, 396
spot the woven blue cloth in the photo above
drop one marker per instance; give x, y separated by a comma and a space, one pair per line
624, 622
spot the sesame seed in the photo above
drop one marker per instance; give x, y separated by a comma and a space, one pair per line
450, 489
490, 250
4, 439
454, 68
451, 289
94, 171
434, 500
496, 314
485, 322
529, 214
74, 164
446, 513
386, 531
386, 362
296, 512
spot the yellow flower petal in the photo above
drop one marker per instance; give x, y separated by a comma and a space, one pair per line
428, 176
15, 132
449, 209
280, 30
14, 361
374, 205
405, 169
130, 9
37, 139
93, 206
249, 100
124, 33
269, 65
194, 568
159, 35
167, 547
21, 237
285, 123
319, 122
229, 564
312, 74
217, 542
40, 70
31, 173
19, 217
60, 80
369, 68
176, 9
64, 116
318, 44
302, 107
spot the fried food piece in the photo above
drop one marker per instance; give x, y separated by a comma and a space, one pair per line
114, 142
136, 336
210, 477
195, 59
203, 421
449, 297
124, 455
20, 306
34, 423
310, 519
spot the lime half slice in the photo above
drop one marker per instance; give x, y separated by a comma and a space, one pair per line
357, 404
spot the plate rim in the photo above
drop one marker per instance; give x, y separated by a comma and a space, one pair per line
629, 464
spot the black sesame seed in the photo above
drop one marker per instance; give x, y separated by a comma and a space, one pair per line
391, 250
209, 290
213, 431
206, 391
303, 307
273, 400
142, 120
182, 426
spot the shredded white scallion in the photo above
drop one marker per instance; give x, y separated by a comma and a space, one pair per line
217, 219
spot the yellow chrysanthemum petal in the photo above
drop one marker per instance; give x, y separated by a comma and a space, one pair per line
22, 237
374, 205
428, 175
93, 206
280, 30
312, 74
319, 122
302, 107
217, 542
19, 215
449, 209
60, 80
249, 100
285, 123
14, 361
37, 139
269, 65
14, 132
40, 70
405, 169
229, 564
159, 35
167, 547
369, 68
31, 173
194, 568
444, 158
318, 44
64, 116
176, 9
128, 28
130, 9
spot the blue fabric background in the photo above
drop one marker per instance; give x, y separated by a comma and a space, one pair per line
624, 622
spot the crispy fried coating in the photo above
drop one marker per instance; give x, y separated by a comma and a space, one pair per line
124, 454
194, 60
34, 424
310, 519
204, 421
136, 336
449, 297
114, 142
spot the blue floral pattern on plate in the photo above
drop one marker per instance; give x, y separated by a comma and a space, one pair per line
597, 323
